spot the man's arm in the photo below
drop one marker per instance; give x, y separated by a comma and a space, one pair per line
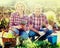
45, 22
31, 25
33, 29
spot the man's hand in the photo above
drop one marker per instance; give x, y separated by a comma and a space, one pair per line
33, 29
49, 27
41, 33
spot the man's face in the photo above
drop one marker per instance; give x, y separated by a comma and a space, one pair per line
37, 11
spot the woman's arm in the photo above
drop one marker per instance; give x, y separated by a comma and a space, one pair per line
12, 22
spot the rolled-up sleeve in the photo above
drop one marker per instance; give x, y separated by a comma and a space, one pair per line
30, 20
11, 20
45, 20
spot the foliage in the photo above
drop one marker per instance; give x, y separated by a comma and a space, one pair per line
38, 44
4, 23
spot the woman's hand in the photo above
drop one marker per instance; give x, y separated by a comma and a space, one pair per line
18, 27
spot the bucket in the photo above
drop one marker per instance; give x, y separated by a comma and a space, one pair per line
52, 39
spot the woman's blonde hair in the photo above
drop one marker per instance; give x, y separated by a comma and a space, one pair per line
20, 3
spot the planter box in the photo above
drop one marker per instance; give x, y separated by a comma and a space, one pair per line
52, 39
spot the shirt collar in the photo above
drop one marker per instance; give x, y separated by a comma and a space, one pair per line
38, 16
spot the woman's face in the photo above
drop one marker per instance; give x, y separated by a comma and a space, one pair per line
20, 8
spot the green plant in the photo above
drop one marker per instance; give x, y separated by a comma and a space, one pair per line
38, 44
4, 23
